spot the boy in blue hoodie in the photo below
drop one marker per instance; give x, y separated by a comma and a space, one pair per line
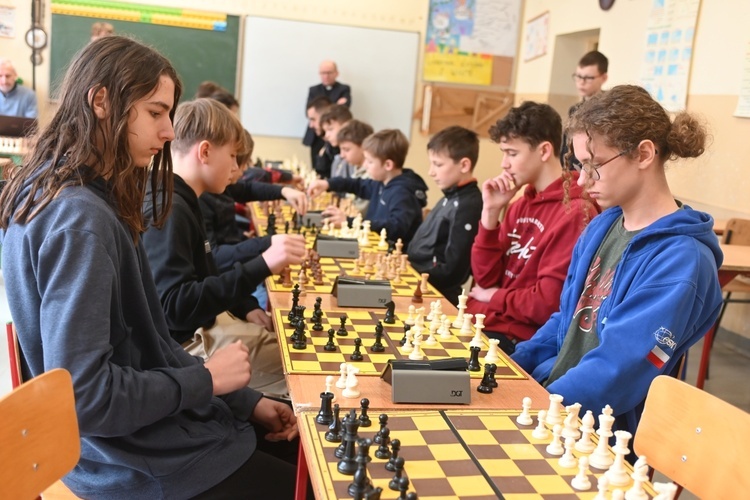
397, 195
642, 286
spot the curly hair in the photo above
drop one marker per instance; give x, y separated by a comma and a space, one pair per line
532, 122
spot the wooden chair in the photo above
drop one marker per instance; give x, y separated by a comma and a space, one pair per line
695, 439
39, 441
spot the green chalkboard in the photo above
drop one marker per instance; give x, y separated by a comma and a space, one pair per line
197, 54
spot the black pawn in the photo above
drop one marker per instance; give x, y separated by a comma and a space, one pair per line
403, 339
412, 496
403, 487
325, 415
383, 451
484, 386
330, 346
334, 430
300, 342
361, 484
493, 370
357, 354
383, 420
286, 227
317, 315
374, 494
364, 418
271, 227
395, 483
378, 345
390, 313
342, 329
474, 359
395, 447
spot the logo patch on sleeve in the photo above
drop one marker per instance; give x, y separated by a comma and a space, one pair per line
657, 357
665, 338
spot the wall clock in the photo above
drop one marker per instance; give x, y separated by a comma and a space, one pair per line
606, 4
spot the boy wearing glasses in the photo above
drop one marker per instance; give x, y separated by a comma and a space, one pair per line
519, 264
589, 77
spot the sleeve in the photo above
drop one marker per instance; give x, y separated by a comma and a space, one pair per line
364, 188
30, 109
347, 92
487, 255
656, 306
246, 190
76, 332
455, 265
537, 354
188, 300
403, 208
244, 251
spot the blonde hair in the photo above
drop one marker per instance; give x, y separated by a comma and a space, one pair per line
388, 144
206, 120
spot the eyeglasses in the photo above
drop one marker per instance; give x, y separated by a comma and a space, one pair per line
584, 78
592, 170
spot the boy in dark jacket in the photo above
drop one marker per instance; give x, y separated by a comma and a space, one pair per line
442, 243
397, 195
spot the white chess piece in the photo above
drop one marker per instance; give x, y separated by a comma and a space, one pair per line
585, 444
329, 386
617, 474
341, 382
477, 340
618, 495
602, 486
408, 347
444, 332
383, 243
601, 458
581, 482
416, 354
568, 460
570, 428
410, 319
351, 391
540, 431
466, 325
461, 309
556, 447
431, 340
493, 353
555, 405
639, 476
479, 321
665, 491
525, 417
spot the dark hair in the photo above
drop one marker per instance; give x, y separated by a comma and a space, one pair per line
532, 122
627, 114
336, 113
205, 89
354, 131
388, 144
595, 58
76, 146
318, 103
226, 98
248, 144
457, 142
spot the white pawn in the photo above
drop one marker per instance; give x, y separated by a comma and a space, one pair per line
618, 495
556, 447
617, 473
570, 428
639, 476
431, 340
416, 353
585, 444
351, 391
602, 486
540, 432
444, 332
525, 417
666, 491
555, 405
466, 325
410, 319
493, 353
568, 460
581, 482
341, 382
408, 347
329, 386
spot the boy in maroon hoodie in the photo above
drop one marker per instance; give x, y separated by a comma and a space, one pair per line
519, 265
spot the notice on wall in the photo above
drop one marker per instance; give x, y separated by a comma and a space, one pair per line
743, 101
7, 21
669, 51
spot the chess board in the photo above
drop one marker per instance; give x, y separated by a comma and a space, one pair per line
260, 209
361, 324
449, 454
333, 267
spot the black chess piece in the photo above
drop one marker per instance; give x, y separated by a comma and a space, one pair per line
383, 420
474, 365
484, 386
390, 313
342, 329
300, 343
348, 463
317, 315
271, 227
383, 450
403, 487
412, 496
364, 418
286, 227
395, 448
330, 345
361, 484
295, 302
399, 472
334, 430
357, 354
325, 415
493, 370
403, 339
378, 345
374, 494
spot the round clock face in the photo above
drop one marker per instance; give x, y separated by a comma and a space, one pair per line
606, 4
36, 38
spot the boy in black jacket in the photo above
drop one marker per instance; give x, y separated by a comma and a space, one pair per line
194, 296
442, 244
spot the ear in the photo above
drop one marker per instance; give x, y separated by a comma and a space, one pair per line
388, 165
465, 164
545, 150
204, 149
604, 78
99, 102
646, 154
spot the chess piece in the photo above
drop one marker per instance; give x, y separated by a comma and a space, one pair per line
618, 495
493, 370
417, 297
423, 284
403, 487
474, 359
406, 332
351, 391
462, 299
341, 332
295, 301
525, 417
484, 386
431, 340
568, 460
493, 353
585, 444
364, 419
555, 405
383, 243
416, 354
399, 471
334, 430
617, 474
466, 325
330, 345
390, 313
410, 319
540, 431
348, 463
325, 414
639, 476
383, 421
329, 386
395, 447
361, 484
357, 354
570, 425
556, 447
581, 482
444, 332
665, 491
383, 451
378, 345
601, 458
341, 382
602, 486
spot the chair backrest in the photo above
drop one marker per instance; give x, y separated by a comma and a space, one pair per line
39, 441
737, 232
695, 439
13, 355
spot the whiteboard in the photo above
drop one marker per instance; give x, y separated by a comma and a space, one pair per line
280, 63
